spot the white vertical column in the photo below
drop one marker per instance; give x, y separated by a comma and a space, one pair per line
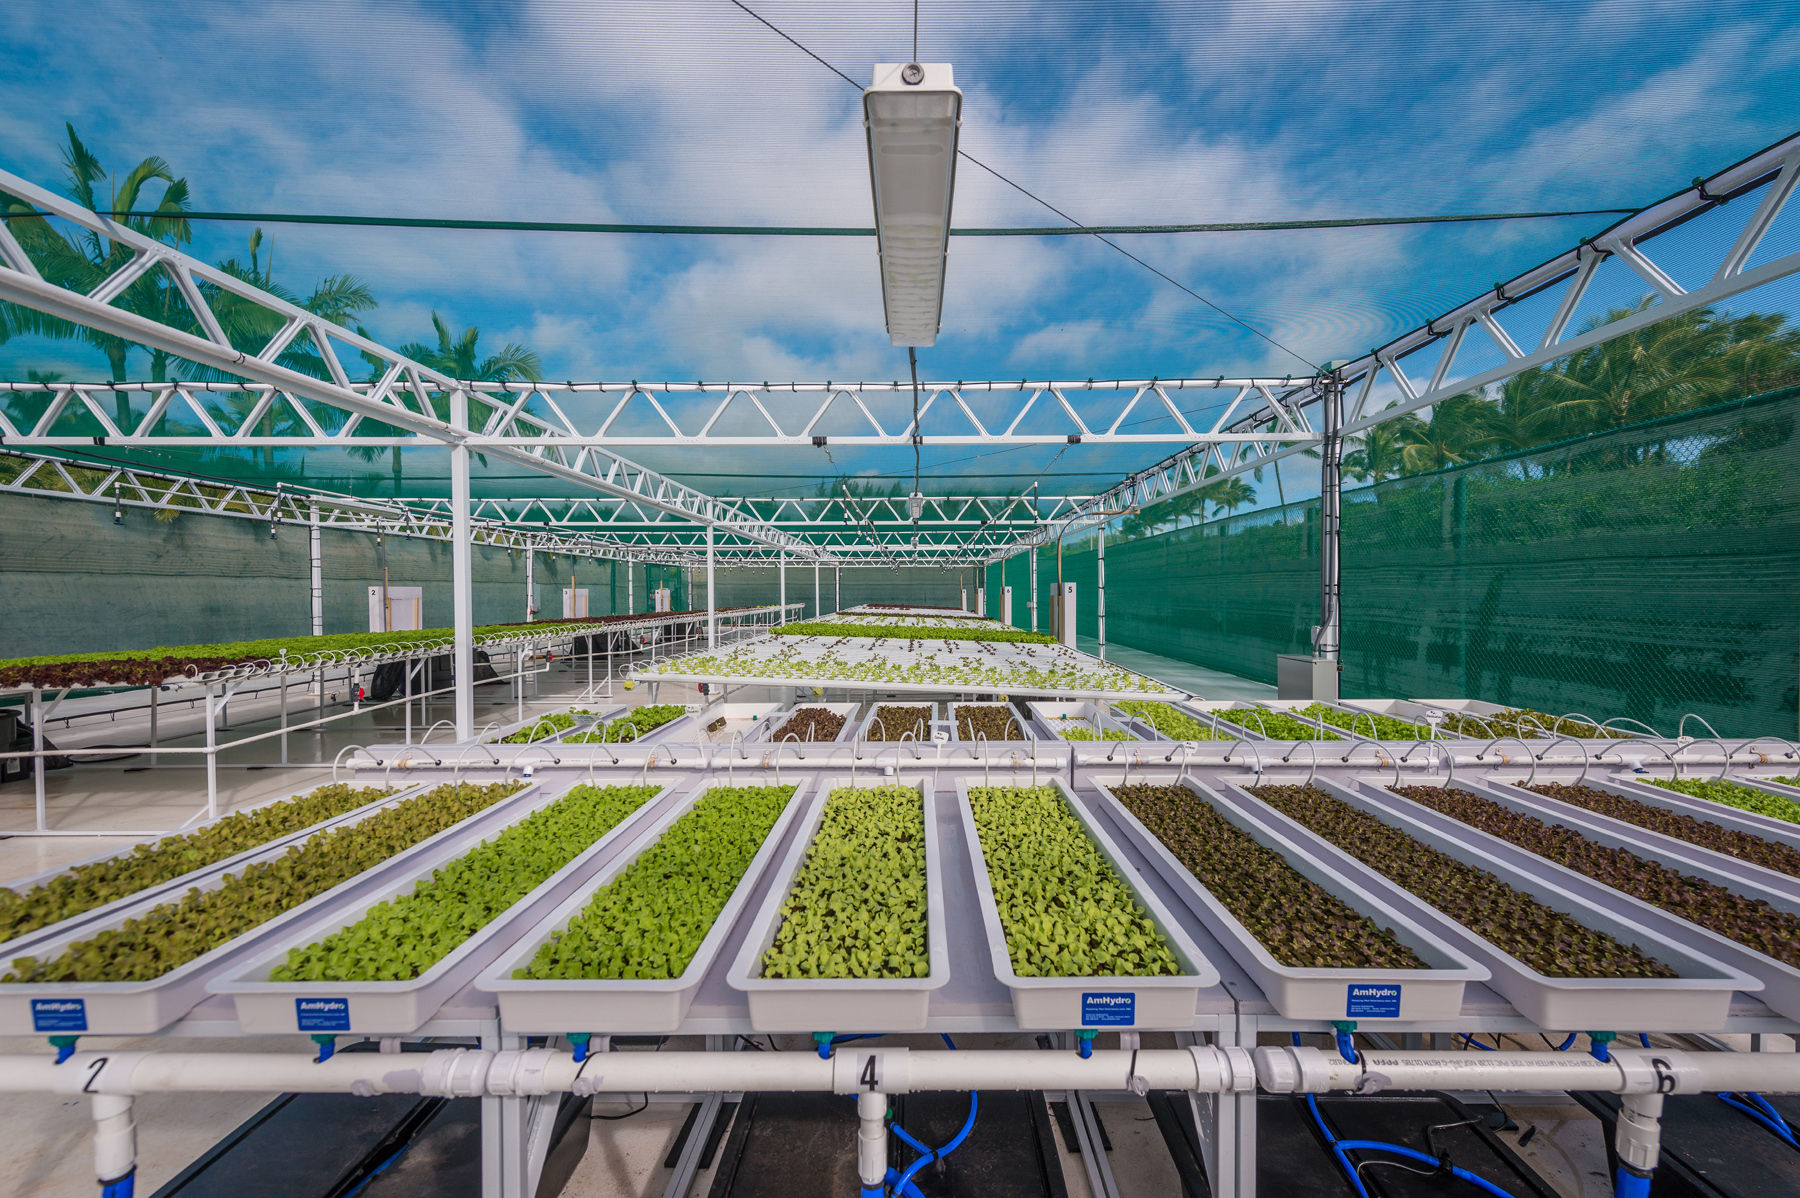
1100, 610
781, 571
1032, 601
837, 588
630, 602
712, 625
462, 573
530, 584
817, 610
318, 576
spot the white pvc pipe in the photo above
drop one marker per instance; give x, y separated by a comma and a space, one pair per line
1298, 1069
871, 1140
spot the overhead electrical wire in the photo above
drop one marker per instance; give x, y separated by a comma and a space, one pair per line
549, 226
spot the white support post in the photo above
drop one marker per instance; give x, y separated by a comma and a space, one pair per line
712, 624
462, 571
781, 572
284, 733
1031, 602
837, 592
318, 580
212, 757
530, 585
37, 746
630, 601
817, 611
155, 689
1100, 587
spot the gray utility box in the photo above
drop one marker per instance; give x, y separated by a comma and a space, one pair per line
1298, 677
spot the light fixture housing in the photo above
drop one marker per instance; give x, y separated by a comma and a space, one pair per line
912, 113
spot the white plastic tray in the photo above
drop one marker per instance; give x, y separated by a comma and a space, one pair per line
1636, 786
780, 718
1696, 1001
1416, 995
267, 1007
22, 946
139, 1008
1047, 718
1165, 1003
622, 1006
843, 1004
1781, 981
1027, 727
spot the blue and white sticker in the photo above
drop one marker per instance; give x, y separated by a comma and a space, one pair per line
1108, 1010
1372, 1001
322, 1014
59, 1014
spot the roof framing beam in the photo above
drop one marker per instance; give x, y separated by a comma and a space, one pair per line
21, 282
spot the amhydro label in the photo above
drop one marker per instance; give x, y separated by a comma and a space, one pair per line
1104, 1010
323, 1014
59, 1014
1373, 1002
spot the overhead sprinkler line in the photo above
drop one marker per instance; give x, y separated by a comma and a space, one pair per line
1022, 190
546, 226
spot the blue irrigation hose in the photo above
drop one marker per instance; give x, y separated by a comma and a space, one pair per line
1758, 1108
1340, 1149
1567, 1044
1644, 1039
902, 1183
1346, 1046
327, 1045
1471, 1041
122, 1188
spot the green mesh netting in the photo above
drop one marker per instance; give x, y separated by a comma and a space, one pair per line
1646, 572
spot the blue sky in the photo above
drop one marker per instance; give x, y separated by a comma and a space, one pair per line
688, 111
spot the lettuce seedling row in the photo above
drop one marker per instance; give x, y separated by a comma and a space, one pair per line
622, 1005
845, 1003
1693, 897
1380, 958
269, 1006
142, 1007
1696, 999
1163, 1000
89, 891
1754, 799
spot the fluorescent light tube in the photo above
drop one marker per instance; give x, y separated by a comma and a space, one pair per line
912, 113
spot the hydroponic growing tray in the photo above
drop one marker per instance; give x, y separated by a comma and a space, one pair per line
266, 1007
139, 1008
22, 946
616, 1006
1780, 981
888, 665
1051, 1003
1697, 1000
1434, 993
776, 722
843, 1004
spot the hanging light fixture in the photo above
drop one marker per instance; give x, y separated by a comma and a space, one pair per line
912, 113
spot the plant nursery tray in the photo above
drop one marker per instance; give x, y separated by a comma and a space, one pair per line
1026, 728
1672, 851
140, 1008
1415, 995
581, 724
1053, 1003
1780, 981
22, 946
843, 1004
680, 730
775, 722
1637, 786
1204, 709
1698, 1000
1048, 718
622, 1006
266, 1007
750, 719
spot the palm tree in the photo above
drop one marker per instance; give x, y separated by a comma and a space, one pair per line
22, 407
1231, 494
460, 359
1456, 433
1380, 452
1663, 368
81, 260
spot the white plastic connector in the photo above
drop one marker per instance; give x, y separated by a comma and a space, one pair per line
1657, 1071
1223, 1070
871, 1139
115, 1137
455, 1073
519, 1073
1294, 1069
1639, 1135
869, 1071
